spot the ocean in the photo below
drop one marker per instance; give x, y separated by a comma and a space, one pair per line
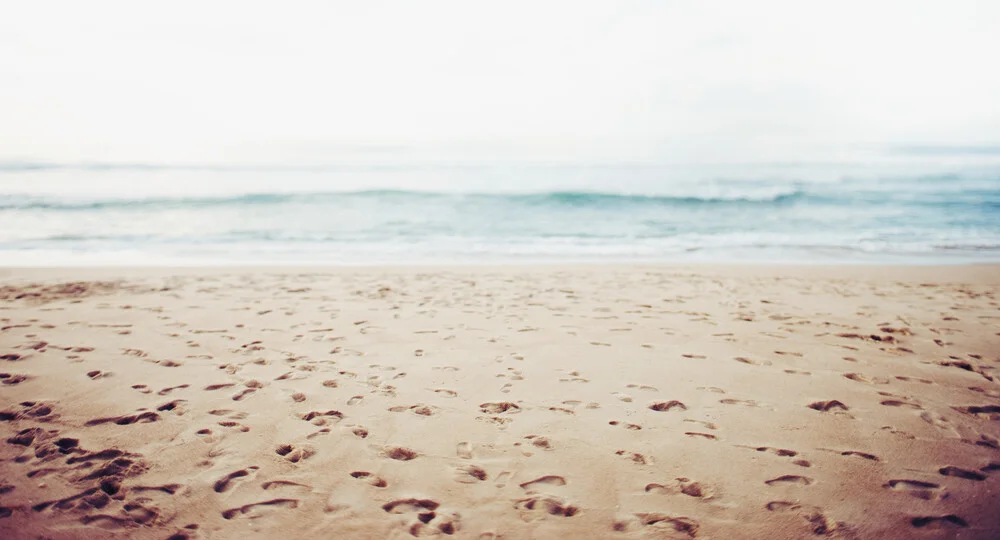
135, 214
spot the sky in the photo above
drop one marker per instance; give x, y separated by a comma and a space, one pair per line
652, 80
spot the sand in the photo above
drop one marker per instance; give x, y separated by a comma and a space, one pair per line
516, 402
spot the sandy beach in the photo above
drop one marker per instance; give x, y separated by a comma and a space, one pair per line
512, 402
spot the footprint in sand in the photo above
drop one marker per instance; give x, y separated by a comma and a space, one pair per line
418, 409
514, 375
359, 431
470, 474
898, 403
790, 479
634, 457
242, 395
322, 418
317, 433
538, 506
499, 407
235, 425
937, 420
962, 473
683, 526
32, 409
989, 393
927, 491
685, 486
135, 514
170, 389
622, 397
695, 489
400, 453
663, 406
827, 406
225, 483
228, 413
914, 379
279, 484
370, 478
706, 425
783, 452
13, 378
404, 506
991, 467
858, 377
539, 442
168, 363
169, 489
944, 522
989, 412
294, 453
863, 455
143, 418
434, 524
175, 406
819, 524
898, 432
254, 508
427, 517
543, 481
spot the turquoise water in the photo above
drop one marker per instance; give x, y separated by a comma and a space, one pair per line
76, 214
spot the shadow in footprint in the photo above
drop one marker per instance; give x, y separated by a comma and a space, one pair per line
962, 473
547, 480
927, 491
247, 508
223, 484
948, 520
790, 479
826, 406
663, 406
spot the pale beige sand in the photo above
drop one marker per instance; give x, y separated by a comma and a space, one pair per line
522, 402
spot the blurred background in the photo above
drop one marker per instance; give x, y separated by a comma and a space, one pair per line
397, 132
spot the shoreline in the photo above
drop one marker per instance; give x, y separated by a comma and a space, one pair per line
302, 260
985, 273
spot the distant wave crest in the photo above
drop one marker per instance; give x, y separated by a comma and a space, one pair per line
567, 198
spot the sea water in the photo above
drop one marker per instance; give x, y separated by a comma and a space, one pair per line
392, 213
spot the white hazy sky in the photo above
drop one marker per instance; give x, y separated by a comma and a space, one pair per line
294, 81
